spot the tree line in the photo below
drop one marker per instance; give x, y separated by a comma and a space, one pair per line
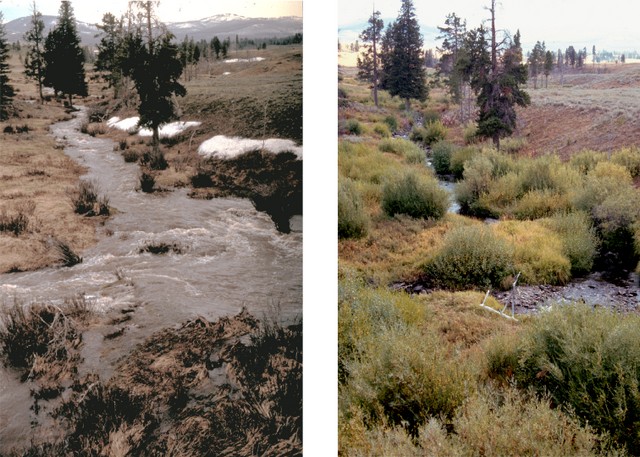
473, 61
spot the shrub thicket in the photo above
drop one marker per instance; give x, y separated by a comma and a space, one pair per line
459, 158
441, 157
431, 133
628, 158
579, 240
353, 221
471, 256
416, 195
392, 122
430, 116
410, 151
585, 161
587, 361
615, 220
354, 127
470, 133
537, 251
382, 130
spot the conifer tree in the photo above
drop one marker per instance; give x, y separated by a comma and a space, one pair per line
6, 90
548, 67
34, 64
155, 69
402, 63
216, 46
497, 82
368, 65
452, 36
64, 57
110, 52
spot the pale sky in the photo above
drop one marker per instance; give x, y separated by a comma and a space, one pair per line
168, 11
607, 24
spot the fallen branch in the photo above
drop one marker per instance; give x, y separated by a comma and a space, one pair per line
501, 313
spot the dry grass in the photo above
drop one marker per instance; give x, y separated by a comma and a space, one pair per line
35, 171
598, 111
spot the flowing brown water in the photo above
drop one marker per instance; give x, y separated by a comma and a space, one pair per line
231, 256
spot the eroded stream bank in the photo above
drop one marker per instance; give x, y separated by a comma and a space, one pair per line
224, 256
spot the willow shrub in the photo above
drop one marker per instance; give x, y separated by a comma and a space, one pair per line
431, 133
353, 220
579, 240
382, 130
628, 158
471, 256
459, 158
441, 157
537, 252
406, 378
405, 148
416, 195
587, 360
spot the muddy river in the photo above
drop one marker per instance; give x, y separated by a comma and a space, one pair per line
228, 256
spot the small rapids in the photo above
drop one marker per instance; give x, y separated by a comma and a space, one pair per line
225, 255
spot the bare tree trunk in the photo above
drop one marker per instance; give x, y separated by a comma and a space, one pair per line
156, 140
375, 68
494, 44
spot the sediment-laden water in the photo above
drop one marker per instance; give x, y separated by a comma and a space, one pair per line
225, 255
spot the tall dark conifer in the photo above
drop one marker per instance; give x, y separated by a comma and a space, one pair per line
368, 62
498, 88
64, 56
110, 52
6, 90
34, 64
403, 68
155, 66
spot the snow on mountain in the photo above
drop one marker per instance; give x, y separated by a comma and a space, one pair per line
221, 25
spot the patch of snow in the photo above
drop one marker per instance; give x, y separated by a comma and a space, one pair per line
253, 59
224, 147
226, 73
130, 124
170, 130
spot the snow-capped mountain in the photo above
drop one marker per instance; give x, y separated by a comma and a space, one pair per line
221, 25
18, 27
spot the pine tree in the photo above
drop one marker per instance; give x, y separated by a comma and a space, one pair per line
216, 46
536, 62
402, 64
110, 52
548, 67
368, 66
452, 36
6, 90
64, 57
496, 79
155, 68
34, 63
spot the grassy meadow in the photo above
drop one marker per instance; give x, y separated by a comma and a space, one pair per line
423, 369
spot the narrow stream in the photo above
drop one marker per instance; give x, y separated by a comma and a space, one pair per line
230, 256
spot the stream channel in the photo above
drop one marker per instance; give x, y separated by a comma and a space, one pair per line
231, 256
623, 296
